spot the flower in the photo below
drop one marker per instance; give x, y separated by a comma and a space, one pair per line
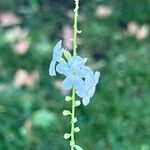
78, 76
57, 55
87, 91
16, 34
22, 77
9, 19
103, 11
21, 47
142, 32
74, 70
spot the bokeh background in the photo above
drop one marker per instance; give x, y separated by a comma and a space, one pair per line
115, 39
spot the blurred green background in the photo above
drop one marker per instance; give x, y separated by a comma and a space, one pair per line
115, 39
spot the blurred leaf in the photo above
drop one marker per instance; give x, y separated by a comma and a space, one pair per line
34, 5
44, 119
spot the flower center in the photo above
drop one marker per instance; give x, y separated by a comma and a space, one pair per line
74, 72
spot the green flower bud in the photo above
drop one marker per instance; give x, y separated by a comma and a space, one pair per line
76, 129
68, 98
77, 147
66, 112
67, 54
79, 31
67, 136
74, 120
77, 103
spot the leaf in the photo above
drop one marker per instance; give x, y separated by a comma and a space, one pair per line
34, 5
67, 54
78, 147
44, 119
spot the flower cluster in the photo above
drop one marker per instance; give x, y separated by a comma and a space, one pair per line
79, 76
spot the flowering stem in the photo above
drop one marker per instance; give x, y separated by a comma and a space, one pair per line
72, 120
72, 142
75, 26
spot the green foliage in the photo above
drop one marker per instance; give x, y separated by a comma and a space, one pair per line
118, 115
43, 119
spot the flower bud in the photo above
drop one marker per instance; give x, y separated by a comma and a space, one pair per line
61, 61
77, 147
68, 98
77, 103
67, 136
79, 31
67, 54
74, 120
66, 112
76, 129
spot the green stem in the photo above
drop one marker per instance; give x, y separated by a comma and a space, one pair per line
75, 26
72, 119
73, 90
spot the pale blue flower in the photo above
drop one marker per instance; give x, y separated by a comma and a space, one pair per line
77, 74
57, 55
88, 89
74, 70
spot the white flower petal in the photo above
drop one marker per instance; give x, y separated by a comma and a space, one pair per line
86, 101
67, 83
52, 71
97, 76
58, 46
63, 68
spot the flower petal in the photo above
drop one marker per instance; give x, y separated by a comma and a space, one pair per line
67, 83
52, 71
58, 51
58, 46
80, 92
83, 61
91, 81
71, 61
84, 71
74, 61
90, 78
97, 76
86, 101
87, 95
92, 91
79, 86
63, 68
58, 55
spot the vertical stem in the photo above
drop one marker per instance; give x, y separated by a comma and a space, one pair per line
75, 26
72, 119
